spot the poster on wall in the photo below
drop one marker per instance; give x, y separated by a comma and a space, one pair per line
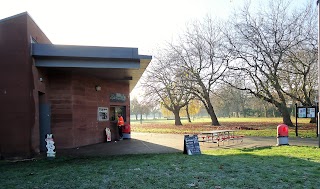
302, 112
103, 114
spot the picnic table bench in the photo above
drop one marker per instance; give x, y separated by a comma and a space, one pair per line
217, 136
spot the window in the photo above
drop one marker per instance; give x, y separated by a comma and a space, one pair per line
33, 40
114, 110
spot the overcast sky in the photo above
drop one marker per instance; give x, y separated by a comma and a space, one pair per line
145, 24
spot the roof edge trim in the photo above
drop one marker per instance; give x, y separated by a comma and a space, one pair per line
14, 16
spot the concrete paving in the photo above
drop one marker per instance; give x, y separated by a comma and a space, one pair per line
146, 143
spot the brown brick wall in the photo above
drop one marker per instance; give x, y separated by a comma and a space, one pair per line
15, 94
73, 98
37, 86
75, 102
60, 98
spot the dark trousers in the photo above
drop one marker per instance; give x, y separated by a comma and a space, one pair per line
120, 131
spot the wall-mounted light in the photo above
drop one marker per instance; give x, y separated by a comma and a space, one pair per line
98, 88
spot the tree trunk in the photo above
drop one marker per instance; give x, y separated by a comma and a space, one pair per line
210, 111
214, 119
140, 118
265, 110
285, 116
177, 120
313, 120
188, 115
136, 116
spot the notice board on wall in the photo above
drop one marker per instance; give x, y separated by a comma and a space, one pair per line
191, 145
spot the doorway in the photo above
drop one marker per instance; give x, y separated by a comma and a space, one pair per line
115, 110
44, 120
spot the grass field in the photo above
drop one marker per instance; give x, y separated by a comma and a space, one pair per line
271, 167
267, 167
244, 126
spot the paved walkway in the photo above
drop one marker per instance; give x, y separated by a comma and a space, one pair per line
144, 143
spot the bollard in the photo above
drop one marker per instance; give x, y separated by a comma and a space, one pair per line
126, 130
282, 135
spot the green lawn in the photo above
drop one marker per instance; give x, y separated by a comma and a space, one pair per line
254, 126
270, 167
222, 120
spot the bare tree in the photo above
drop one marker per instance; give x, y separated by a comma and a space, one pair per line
139, 108
203, 61
230, 101
154, 108
163, 83
135, 107
263, 43
300, 76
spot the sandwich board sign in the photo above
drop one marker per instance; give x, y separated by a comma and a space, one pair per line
191, 145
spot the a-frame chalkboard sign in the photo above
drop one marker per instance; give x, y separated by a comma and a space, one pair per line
191, 145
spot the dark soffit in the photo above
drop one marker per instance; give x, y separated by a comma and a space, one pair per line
112, 63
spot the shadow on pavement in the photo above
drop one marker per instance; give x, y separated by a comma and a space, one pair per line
140, 143
146, 143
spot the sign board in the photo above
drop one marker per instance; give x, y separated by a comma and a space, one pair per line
191, 145
117, 97
103, 114
108, 134
302, 112
311, 112
306, 112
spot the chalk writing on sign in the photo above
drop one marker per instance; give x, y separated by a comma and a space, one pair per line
191, 145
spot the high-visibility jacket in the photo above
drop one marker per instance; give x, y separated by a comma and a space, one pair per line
120, 121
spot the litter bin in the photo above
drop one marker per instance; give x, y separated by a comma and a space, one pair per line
126, 131
108, 134
282, 134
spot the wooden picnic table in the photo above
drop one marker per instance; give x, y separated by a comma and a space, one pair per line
217, 136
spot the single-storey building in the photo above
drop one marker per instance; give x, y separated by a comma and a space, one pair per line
73, 92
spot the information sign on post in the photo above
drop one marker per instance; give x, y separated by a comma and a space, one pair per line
311, 112
307, 112
302, 112
191, 145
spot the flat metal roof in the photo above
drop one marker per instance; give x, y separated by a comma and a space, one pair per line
112, 63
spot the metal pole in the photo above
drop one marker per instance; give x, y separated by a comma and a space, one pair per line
318, 68
318, 129
317, 119
296, 119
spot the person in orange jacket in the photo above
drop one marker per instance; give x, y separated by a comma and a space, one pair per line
120, 125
